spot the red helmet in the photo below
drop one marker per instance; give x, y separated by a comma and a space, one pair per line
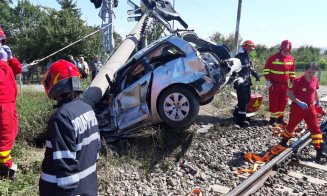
286, 46
248, 44
61, 77
2, 35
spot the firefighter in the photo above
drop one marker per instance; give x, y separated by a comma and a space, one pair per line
243, 83
303, 93
9, 67
72, 137
279, 70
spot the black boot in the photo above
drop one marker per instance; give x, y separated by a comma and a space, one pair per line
321, 154
244, 124
12, 172
240, 120
273, 122
235, 112
4, 171
280, 120
320, 157
283, 142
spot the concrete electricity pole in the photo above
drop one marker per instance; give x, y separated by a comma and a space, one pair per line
237, 24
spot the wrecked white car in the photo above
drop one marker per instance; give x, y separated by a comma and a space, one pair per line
166, 82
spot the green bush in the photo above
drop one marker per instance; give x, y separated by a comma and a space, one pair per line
323, 64
34, 109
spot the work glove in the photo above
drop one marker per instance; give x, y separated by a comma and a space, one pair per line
8, 51
268, 84
3, 55
302, 105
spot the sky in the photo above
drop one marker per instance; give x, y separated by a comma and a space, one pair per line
265, 22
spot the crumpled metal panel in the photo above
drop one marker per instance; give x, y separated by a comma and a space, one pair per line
130, 104
202, 72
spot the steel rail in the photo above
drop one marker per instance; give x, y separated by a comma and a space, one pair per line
246, 187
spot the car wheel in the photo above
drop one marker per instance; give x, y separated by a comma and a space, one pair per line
207, 101
178, 107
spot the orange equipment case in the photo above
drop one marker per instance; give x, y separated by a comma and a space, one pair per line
254, 103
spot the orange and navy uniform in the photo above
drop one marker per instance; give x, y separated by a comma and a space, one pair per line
8, 113
279, 70
306, 92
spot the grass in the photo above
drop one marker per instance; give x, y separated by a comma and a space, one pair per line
29, 161
34, 109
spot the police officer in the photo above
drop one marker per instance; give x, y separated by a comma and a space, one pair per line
72, 138
243, 83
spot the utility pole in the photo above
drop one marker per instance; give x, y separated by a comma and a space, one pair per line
174, 20
237, 24
107, 28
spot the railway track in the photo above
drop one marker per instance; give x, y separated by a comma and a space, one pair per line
263, 176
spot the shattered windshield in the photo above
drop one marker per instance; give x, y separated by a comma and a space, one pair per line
146, 49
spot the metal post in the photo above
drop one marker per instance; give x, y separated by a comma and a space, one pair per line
237, 24
107, 25
174, 20
111, 28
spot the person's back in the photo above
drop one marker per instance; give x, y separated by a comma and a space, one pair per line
72, 138
71, 164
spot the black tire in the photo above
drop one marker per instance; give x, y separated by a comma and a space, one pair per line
187, 106
207, 101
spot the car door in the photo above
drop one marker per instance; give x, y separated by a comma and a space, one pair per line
131, 103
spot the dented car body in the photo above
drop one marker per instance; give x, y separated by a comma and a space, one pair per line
166, 82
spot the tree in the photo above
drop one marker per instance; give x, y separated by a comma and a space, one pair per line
6, 1
219, 38
154, 31
71, 6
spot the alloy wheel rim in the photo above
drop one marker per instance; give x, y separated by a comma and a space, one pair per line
176, 106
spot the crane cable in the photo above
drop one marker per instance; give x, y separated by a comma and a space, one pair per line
42, 59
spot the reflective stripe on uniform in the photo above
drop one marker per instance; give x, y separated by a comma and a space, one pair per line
267, 71
88, 140
286, 134
64, 181
48, 144
240, 112
282, 63
317, 141
64, 154
5, 160
274, 114
277, 72
4, 153
316, 136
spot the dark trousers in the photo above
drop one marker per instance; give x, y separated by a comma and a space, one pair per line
26, 77
243, 98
